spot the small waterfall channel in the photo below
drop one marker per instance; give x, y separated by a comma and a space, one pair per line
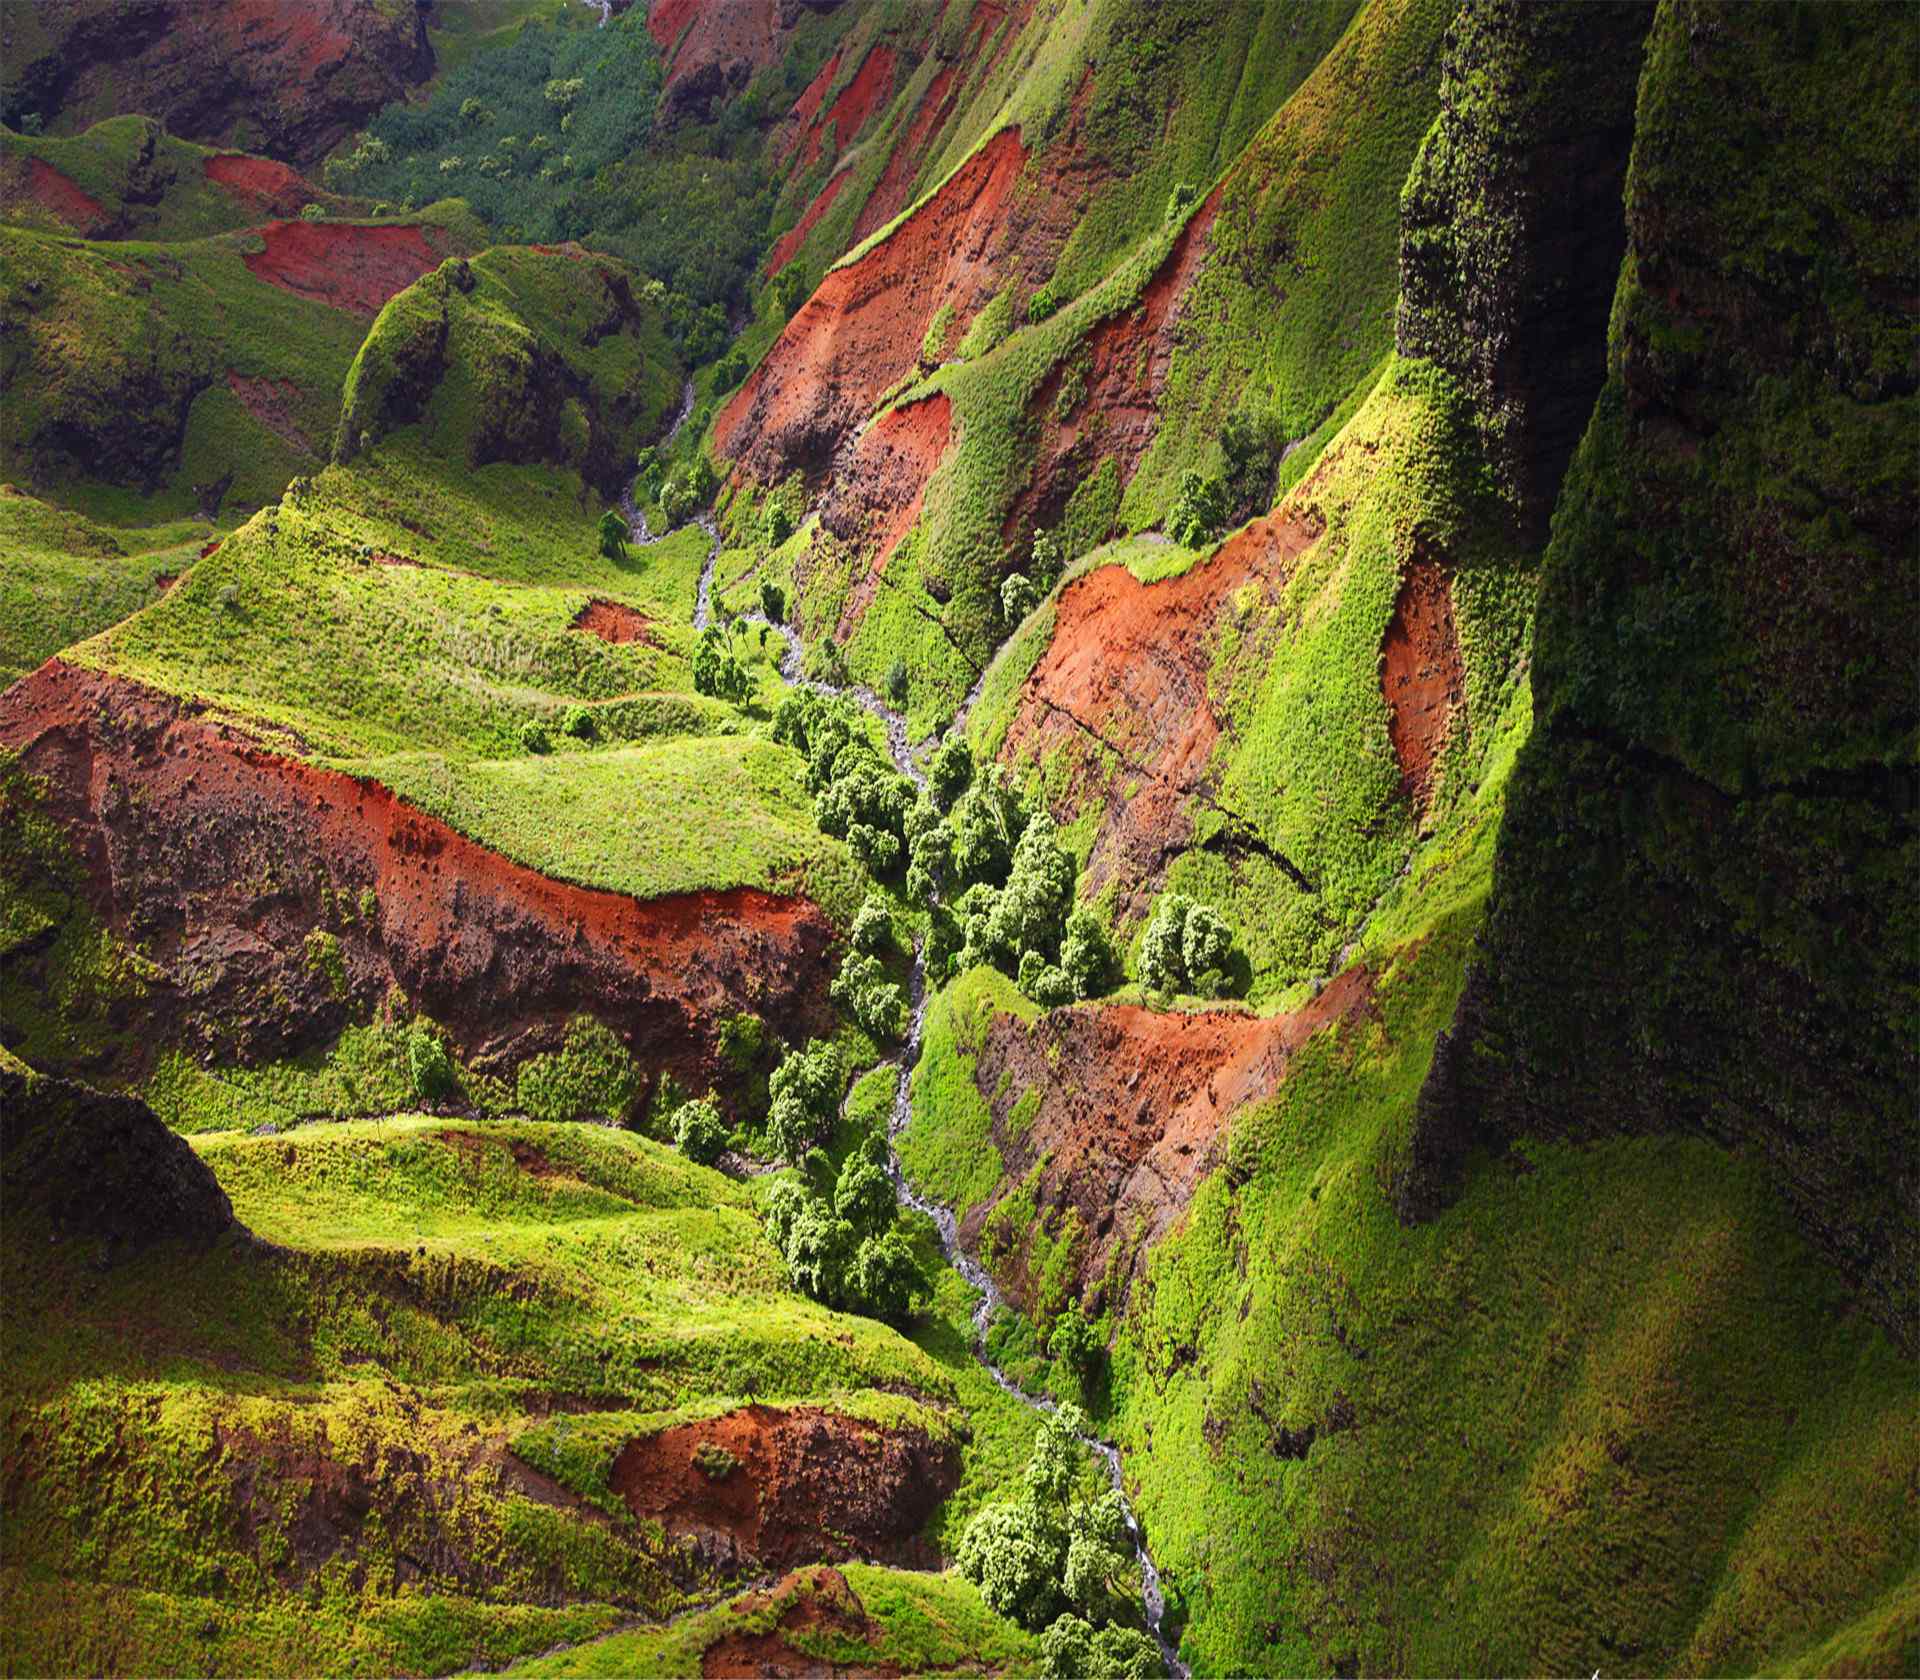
909, 764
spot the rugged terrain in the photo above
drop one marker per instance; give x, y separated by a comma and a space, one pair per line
1260, 658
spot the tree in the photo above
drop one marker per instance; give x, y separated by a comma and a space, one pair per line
1018, 597
699, 1132
1185, 948
864, 1197
805, 1089
949, 771
773, 600
1016, 1558
717, 670
886, 1281
896, 682
863, 988
872, 926
778, 526
1073, 1649
613, 535
1199, 511
429, 1064
729, 370
788, 291
1074, 1342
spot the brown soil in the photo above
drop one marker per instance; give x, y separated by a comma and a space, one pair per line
341, 264
819, 1602
56, 193
876, 501
791, 241
868, 92
1124, 1143
612, 621
862, 329
1122, 364
271, 403
211, 548
1129, 663
475, 1149
298, 75
666, 18
721, 46
265, 187
163, 581
808, 1484
217, 858
1420, 675
893, 192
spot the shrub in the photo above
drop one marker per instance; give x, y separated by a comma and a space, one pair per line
778, 526
577, 721
872, 926
950, 770
1185, 948
613, 535
729, 371
1181, 199
896, 682
1018, 597
689, 487
1199, 511
533, 737
698, 1131
788, 291
429, 1064
1043, 303
714, 1461
312, 213
717, 671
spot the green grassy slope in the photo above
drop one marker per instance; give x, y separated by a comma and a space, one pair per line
316, 1465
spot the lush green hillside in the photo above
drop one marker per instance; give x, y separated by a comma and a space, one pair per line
1242, 673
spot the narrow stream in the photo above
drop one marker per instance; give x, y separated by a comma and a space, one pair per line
895, 724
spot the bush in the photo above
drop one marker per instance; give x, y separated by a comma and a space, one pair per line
896, 682
577, 721
688, 489
729, 371
698, 1131
1185, 948
714, 1461
1018, 597
1073, 1649
430, 1065
778, 527
717, 670
1043, 303
533, 737
950, 770
788, 291
805, 1089
1199, 511
1181, 200
613, 535
872, 926
312, 213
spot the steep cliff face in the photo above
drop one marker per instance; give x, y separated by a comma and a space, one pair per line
1511, 232
1703, 914
291, 78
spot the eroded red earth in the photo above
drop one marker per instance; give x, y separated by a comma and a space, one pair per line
62, 196
271, 402
876, 502
803, 1484
862, 329
341, 264
791, 241
1130, 663
614, 621
1122, 1145
815, 1606
1420, 675
265, 187
219, 857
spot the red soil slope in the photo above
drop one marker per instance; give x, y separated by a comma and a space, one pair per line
806, 1484
613, 621
861, 330
876, 501
1123, 362
1123, 1144
47, 187
892, 193
867, 93
820, 1608
219, 858
265, 187
340, 264
791, 241
1420, 675
721, 45
1130, 662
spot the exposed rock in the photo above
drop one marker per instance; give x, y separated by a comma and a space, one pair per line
295, 77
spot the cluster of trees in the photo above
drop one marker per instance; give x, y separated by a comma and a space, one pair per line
550, 137
1058, 1558
845, 1247
1185, 948
997, 884
718, 669
1205, 507
862, 987
1021, 592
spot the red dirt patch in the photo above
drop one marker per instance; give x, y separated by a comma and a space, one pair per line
219, 858
163, 581
1124, 1143
264, 186
1131, 661
666, 18
340, 264
870, 89
1420, 675
212, 547
861, 330
612, 621
271, 403
795, 236
806, 1484
818, 1602
63, 197
1121, 365
893, 192
875, 502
